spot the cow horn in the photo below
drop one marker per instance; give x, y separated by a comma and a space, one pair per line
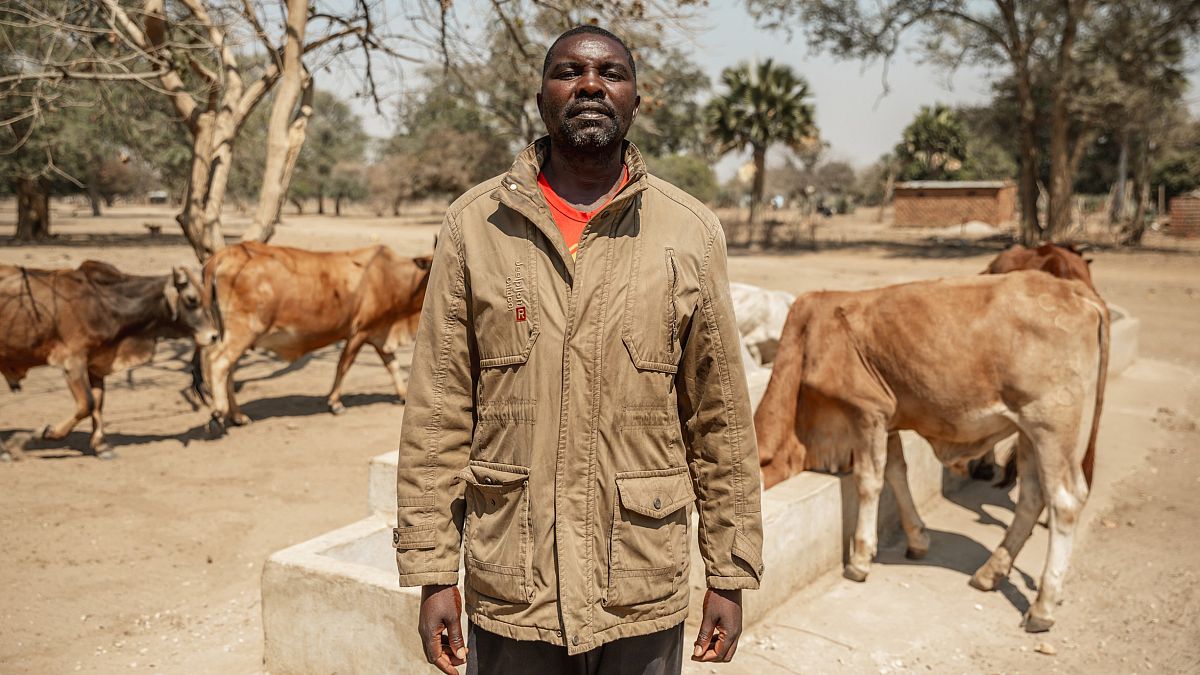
179, 276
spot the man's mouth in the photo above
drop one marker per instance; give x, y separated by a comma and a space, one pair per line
592, 111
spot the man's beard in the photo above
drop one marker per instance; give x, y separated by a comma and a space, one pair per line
591, 134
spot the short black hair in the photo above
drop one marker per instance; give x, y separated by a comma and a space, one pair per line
588, 29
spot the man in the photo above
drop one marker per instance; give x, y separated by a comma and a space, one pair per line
576, 385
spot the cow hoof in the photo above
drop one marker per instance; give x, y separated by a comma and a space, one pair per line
106, 454
46, 433
5, 457
916, 553
337, 408
239, 419
1037, 624
982, 581
854, 573
216, 428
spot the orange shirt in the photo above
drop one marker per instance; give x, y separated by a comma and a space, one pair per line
570, 220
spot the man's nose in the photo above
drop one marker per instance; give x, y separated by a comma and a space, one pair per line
590, 85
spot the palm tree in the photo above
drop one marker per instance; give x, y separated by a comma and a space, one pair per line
764, 104
934, 145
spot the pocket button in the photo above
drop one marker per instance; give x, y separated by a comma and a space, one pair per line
657, 503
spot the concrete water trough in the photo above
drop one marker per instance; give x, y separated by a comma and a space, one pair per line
331, 604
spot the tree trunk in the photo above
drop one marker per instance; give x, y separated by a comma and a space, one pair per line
285, 130
337, 205
1027, 190
33, 209
1062, 179
1117, 211
298, 204
888, 188
1135, 228
396, 206
321, 201
93, 193
756, 191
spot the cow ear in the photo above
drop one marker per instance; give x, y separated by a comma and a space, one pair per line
1088, 261
171, 294
180, 277
423, 262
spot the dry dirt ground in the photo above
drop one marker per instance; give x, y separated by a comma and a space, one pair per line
153, 560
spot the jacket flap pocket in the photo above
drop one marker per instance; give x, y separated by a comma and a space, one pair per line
516, 359
743, 549
493, 476
642, 362
655, 494
411, 538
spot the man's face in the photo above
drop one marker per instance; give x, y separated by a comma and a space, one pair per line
589, 97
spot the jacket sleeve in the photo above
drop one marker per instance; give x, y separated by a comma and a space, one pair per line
439, 419
714, 409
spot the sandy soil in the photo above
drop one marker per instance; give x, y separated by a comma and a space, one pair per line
153, 561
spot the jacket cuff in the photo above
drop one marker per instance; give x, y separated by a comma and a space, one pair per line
731, 583
429, 579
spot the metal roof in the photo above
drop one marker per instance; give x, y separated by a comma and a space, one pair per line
953, 184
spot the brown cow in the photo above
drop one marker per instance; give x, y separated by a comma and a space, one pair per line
1064, 261
962, 362
91, 322
291, 302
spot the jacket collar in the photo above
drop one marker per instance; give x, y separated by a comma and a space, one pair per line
519, 190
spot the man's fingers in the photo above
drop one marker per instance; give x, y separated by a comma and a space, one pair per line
726, 645
702, 640
732, 651
458, 649
443, 664
431, 642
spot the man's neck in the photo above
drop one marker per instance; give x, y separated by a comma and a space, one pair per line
584, 179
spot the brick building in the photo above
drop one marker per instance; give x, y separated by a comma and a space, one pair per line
1185, 215
935, 203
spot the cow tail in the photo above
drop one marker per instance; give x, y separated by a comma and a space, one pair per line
1089, 457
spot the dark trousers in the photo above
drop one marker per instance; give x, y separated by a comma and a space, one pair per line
658, 653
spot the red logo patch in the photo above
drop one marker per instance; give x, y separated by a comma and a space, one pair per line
521, 313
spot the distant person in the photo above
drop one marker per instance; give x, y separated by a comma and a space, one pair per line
576, 386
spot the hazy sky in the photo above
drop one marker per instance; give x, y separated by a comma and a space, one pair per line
854, 116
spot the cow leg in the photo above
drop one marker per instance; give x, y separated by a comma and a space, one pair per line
1030, 502
1065, 491
870, 460
896, 474
77, 382
220, 364
349, 352
393, 366
99, 444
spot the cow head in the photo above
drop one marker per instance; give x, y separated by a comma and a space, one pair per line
188, 312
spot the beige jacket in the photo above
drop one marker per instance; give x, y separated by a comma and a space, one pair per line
562, 414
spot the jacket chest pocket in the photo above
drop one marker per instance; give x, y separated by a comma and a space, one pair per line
651, 325
648, 551
498, 537
506, 308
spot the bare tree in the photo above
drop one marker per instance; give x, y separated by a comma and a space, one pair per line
197, 53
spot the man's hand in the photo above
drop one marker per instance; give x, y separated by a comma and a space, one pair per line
720, 628
441, 632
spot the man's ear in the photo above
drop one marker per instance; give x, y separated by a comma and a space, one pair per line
538, 97
637, 103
